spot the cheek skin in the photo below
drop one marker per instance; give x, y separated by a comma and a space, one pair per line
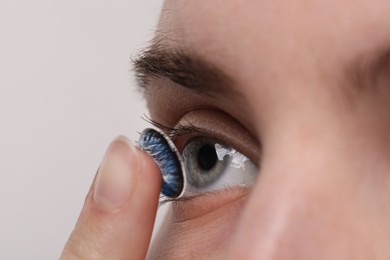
203, 236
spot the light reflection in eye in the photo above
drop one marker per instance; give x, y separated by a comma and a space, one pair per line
211, 166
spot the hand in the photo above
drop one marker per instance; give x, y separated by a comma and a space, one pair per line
117, 219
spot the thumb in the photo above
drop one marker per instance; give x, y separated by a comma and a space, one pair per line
117, 219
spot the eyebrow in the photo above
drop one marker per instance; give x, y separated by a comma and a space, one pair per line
184, 68
189, 70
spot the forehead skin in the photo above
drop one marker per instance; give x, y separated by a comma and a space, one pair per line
268, 45
324, 183
277, 35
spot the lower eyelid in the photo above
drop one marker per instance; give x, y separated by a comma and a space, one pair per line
186, 209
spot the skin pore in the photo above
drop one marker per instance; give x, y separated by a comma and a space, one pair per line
308, 82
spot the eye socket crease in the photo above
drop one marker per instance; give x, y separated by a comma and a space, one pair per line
185, 68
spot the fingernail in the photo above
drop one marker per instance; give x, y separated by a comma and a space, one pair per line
117, 175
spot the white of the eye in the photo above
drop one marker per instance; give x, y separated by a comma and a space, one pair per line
237, 159
239, 171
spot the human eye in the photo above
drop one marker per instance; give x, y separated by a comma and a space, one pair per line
211, 166
195, 160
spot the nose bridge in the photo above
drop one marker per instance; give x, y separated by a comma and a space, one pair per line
296, 208
290, 219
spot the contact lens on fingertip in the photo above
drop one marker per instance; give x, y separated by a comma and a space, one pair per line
165, 154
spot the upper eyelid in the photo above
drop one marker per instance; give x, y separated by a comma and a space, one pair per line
174, 133
246, 145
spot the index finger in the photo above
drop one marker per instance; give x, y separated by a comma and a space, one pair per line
117, 219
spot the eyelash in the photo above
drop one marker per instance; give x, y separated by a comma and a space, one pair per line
174, 132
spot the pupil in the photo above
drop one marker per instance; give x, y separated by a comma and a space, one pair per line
207, 157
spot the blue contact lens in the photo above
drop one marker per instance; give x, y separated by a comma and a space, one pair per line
166, 156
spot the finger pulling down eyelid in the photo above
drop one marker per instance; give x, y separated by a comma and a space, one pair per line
224, 128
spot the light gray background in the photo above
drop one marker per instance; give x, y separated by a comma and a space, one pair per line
65, 92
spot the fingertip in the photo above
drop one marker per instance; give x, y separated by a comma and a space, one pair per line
117, 176
150, 171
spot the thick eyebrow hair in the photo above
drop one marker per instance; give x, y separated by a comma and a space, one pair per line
365, 74
182, 67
